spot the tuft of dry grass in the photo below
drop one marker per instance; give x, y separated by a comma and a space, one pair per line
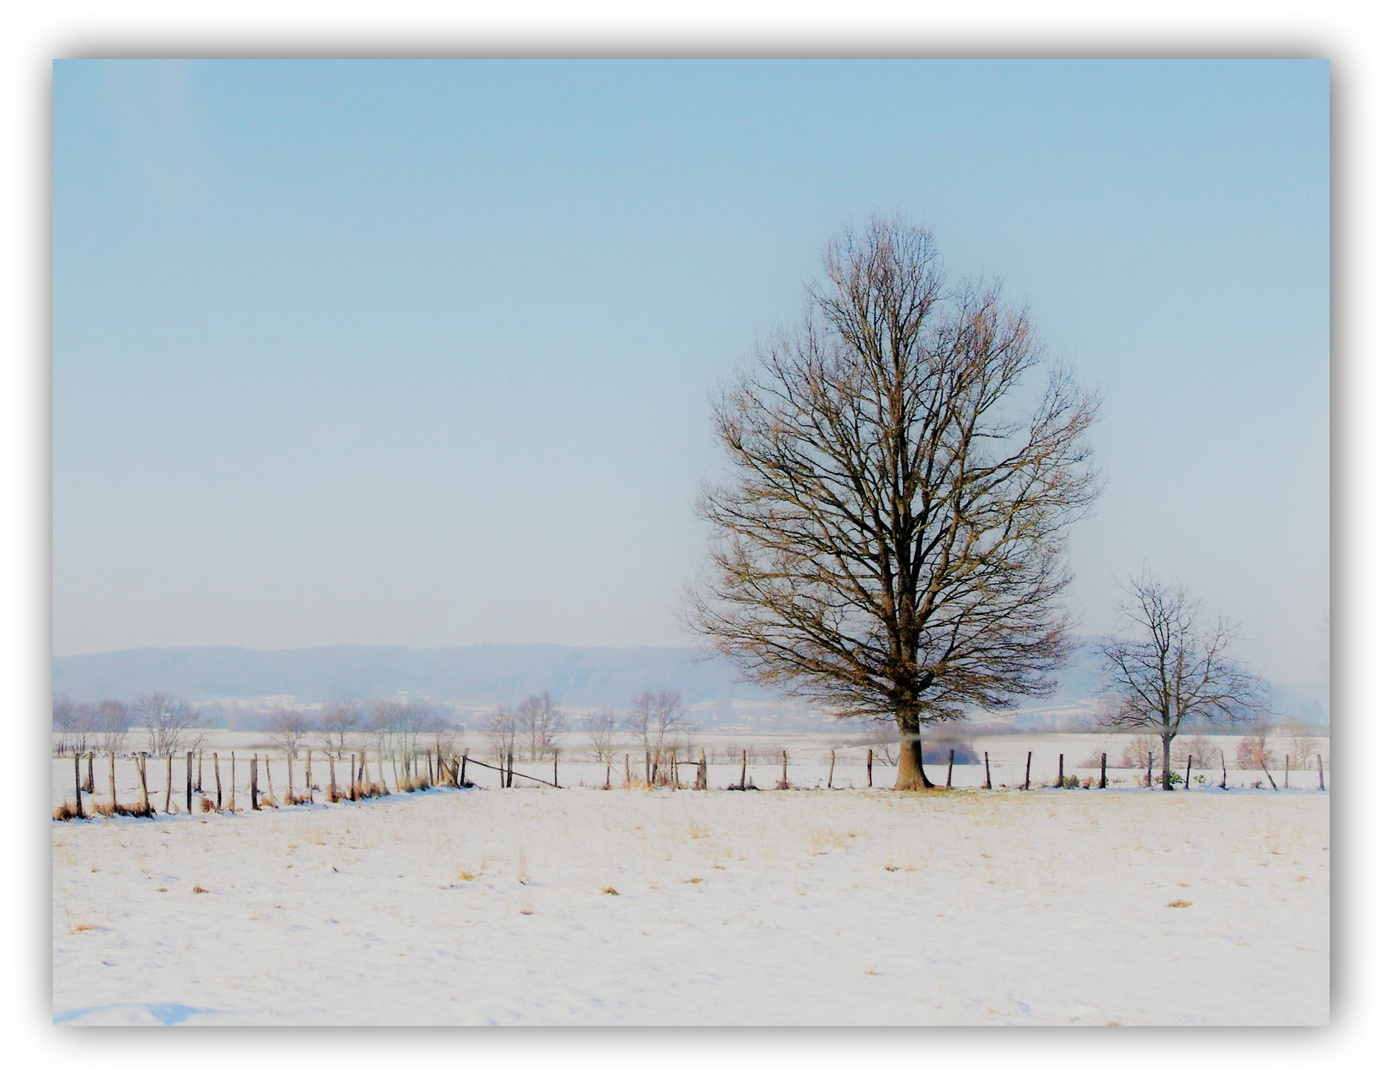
80, 927
199, 889
608, 890
1179, 903
66, 812
208, 805
467, 875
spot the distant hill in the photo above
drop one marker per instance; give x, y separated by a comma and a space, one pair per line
474, 675
481, 676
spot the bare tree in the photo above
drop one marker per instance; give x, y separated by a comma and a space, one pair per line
113, 722
337, 720
600, 726
891, 544
289, 727
64, 721
1176, 668
540, 718
502, 727
170, 723
658, 718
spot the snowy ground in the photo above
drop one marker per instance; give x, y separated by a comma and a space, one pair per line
584, 906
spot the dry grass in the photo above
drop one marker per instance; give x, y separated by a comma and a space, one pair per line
1179, 903
199, 889
608, 890
66, 812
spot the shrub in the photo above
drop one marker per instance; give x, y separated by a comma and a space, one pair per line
1252, 752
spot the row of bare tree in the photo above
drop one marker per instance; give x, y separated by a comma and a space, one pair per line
170, 722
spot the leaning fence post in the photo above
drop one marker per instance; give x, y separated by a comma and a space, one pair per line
115, 803
1188, 776
1223, 770
1102, 770
169, 783
1061, 773
830, 782
556, 775
989, 783
1028, 771
77, 781
463, 768
254, 793
1320, 787
188, 781
950, 765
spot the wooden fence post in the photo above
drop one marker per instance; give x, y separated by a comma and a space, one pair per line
743, 771
199, 787
1149, 776
1286, 772
141, 761
309, 774
510, 778
1061, 773
332, 779
463, 768
289, 777
608, 771
701, 778
950, 765
231, 793
556, 775
1188, 777
1102, 770
115, 803
627, 770
830, 781
169, 783
1320, 787
91, 780
989, 783
869, 766
1028, 772
254, 793
77, 781
188, 780
784, 785
217, 777
1223, 770
648, 776
675, 771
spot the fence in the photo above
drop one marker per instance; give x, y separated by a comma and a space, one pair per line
213, 782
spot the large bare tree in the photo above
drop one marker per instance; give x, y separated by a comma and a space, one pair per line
904, 467
1167, 665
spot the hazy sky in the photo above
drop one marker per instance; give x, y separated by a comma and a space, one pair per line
420, 352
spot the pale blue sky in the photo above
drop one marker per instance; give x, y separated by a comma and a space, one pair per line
419, 352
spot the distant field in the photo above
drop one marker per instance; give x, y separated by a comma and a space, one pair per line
536, 906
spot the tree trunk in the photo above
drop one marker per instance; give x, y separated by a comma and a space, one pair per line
911, 776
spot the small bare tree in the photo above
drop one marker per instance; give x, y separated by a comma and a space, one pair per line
600, 726
289, 727
1176, 668
502, 728
541, 720
170, 722
892, 542
659, 718
64, 721
337, 721
113, 723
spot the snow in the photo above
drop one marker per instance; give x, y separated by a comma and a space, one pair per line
818, 907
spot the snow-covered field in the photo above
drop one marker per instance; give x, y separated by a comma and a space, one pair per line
585, 906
